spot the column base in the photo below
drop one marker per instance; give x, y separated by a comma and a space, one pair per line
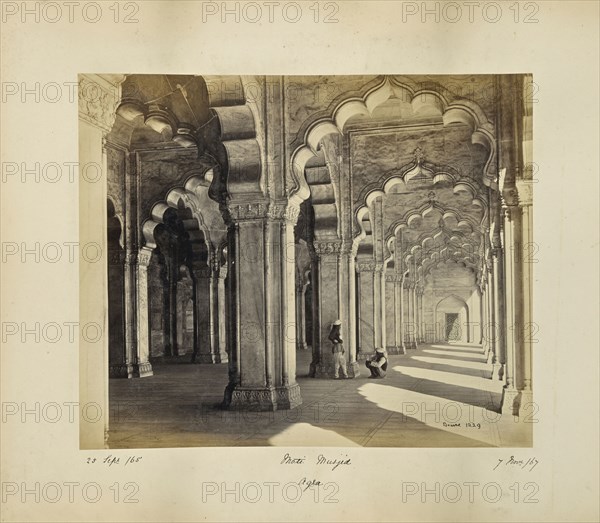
321, 370
120, 370
302, 346
262, 399
219, 357
364, 356
510, 402
496, 369
353, 369
130, 370
142, 370
490, 357
288, 397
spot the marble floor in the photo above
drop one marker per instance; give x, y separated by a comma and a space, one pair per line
438, 395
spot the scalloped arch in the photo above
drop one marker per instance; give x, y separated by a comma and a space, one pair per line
459, 111
193, 196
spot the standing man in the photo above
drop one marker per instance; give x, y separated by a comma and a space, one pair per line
378, 366
339, 360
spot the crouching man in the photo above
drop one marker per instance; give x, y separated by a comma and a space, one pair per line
378, 366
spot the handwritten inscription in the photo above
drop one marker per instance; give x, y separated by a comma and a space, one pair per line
468, 425
111, 460
333, 462
528, 464
327, 461
289, 460
309, 483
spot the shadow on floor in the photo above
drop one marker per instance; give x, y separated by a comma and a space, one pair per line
427, 400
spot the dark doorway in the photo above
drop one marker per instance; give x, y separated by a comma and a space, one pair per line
452, 326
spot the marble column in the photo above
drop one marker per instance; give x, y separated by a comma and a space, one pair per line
118, 367
171, 348
300, 315
482, 325
399, 302
493, 328
133, 362
510, 393
526, 268
347, 297
406, 313
390, 312
142, 366
499, 314
366, 305
219, 277
418, 316
334, 268
412, 317
382, 308
422, 324
207, 315
261, 272
377, 302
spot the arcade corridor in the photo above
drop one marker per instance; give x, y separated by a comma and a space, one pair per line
244, 216
435, 396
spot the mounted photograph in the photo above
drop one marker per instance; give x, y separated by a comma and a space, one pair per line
307, 261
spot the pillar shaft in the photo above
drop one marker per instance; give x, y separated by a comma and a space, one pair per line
142, 364
511, 223
390, 312
527, 286
396, 284
221, 316
209, 312
334, 299
499, 313
377, 310
366, 304
263, 308
382, 309
301, 316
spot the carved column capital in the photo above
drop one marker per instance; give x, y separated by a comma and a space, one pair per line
525, 192
144, 257
366, 266
327, 248
241, 212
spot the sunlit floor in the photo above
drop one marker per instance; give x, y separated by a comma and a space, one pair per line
435, 396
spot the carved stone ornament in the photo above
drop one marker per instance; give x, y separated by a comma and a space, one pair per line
248, 211
369, 266
324, 248
97, 101
144, 257
525, 192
